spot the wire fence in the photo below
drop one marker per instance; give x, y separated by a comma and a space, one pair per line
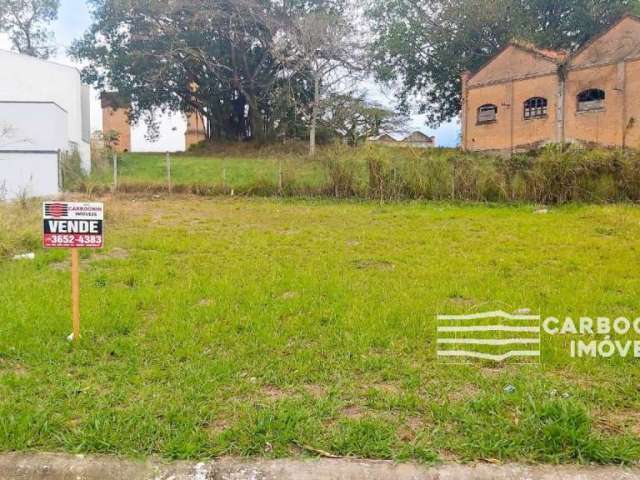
555, 174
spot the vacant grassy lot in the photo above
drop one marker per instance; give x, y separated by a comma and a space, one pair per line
236, 171
274, 328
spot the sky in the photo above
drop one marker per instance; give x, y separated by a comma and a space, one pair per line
73, 20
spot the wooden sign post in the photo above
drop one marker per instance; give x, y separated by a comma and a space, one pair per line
75, 293
73, 226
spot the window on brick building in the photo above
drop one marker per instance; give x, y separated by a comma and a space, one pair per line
487, 113
592, 99
535, 107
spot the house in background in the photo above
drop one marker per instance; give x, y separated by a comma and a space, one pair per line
386, 138
44, 110
415, 140
419, 140
526, 97
115, 122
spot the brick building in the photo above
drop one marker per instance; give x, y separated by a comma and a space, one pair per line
115, 120
525, 97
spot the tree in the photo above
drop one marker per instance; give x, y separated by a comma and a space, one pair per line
422, 46
319, 44
26, 22
212, 57
356, 119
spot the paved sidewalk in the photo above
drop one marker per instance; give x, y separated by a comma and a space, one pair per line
70, 467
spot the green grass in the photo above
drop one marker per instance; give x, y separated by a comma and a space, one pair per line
275, 328
555, 174
236, 171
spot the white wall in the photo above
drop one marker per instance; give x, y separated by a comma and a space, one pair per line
29, 79
34, 174
172, 129
33, 126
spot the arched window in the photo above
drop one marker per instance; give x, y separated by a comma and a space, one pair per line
591, 99
487, 113
535, 107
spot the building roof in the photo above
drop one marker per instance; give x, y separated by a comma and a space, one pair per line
418, 136
558, 57
394, 137
551, 56
601, 51
554, 55
597, 37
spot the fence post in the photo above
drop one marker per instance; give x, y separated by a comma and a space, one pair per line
169, 171
115, 172
453, 180
60, 172
280, 176
224, 174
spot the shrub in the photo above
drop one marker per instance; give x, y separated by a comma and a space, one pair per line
71, 172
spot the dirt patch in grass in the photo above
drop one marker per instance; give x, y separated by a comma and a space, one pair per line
13, 369
448, 456
618, 422
316, 391
273, 393
115, 253
59, 266
410, 428
370, 264
462, 301
218, 426
353, 412
494, 372
463, 393
388, 388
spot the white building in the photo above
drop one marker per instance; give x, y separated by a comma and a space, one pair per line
44, 109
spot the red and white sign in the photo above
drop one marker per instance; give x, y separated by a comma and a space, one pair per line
72, 225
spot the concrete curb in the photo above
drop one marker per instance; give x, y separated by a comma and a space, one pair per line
69, 467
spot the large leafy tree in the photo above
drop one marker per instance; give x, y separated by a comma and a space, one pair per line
422, 46
27, 23
214, 57
207, 56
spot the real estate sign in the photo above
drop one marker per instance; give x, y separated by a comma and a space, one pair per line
73, 225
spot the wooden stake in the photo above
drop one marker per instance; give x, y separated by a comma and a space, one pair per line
115, 172
75, 293
169, 171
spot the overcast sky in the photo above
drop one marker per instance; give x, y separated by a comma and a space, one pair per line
73, 20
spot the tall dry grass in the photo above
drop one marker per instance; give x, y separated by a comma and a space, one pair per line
554, 174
